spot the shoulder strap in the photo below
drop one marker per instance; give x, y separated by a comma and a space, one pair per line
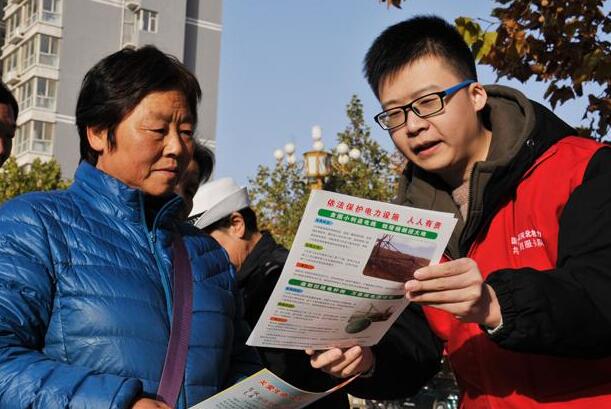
176, 355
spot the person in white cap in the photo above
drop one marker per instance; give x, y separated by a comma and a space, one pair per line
222, 209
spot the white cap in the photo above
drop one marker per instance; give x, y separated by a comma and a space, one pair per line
218, 199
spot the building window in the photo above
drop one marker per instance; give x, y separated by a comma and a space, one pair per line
42, 137
49, 50
44, 89
12, 25
28, 54
30, 13
45, 93
147, 20
24, 94
10, 62
51, 11
22, 139
34, 136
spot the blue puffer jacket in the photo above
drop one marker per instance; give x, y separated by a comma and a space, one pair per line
85, 300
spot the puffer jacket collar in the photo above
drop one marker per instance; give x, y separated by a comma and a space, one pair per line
521, 131
113, 197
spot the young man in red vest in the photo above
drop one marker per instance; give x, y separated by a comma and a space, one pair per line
522, 300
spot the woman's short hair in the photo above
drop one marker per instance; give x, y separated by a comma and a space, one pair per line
119, 82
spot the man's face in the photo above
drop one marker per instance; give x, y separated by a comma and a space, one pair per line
153, 144
234, 244
7, 131
449, 142
188, 185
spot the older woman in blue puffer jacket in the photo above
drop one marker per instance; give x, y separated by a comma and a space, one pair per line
85, 274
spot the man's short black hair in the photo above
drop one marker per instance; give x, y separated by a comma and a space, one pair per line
6, 97
119, 82
205, 161
250, 222
412, 39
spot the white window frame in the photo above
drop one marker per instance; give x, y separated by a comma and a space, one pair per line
31, 7
46, 91
12, 62
52, 15
48, 55
148, 20
22, 139
25, 101
28, 53
46, 139
13, 24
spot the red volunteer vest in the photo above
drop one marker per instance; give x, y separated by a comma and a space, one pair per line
524, 233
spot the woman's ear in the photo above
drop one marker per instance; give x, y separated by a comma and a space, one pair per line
98, 139
478, 96
238, 227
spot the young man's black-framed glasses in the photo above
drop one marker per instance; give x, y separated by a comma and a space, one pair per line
423, 107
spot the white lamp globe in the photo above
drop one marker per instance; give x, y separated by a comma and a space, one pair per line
318, 145
354, 153
316, 133
343, 159
278, 154
291, 159
342, 148
289, 148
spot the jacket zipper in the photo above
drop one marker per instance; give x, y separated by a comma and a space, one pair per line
165, 279
162, 273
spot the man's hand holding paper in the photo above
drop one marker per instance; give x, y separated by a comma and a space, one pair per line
457, 287
342, 362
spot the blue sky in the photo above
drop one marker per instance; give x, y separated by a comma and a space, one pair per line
287, 65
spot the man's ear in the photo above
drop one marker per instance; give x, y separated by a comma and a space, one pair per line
478, 96
98, 139
238, 227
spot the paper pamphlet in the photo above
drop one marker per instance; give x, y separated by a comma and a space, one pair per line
343, 282
264, 390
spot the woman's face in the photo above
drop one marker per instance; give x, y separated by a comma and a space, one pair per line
153, 144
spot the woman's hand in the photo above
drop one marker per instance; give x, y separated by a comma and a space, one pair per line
342, 363
145, 403
458, 288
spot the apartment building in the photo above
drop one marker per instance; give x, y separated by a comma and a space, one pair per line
50, 44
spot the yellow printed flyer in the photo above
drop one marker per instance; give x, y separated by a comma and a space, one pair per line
264, 390
342, 284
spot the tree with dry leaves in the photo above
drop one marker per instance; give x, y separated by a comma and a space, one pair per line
562, 42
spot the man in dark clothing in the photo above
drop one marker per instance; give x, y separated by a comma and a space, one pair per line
521, 301
221, 209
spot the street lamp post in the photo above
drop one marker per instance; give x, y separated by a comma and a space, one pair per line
317, 162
